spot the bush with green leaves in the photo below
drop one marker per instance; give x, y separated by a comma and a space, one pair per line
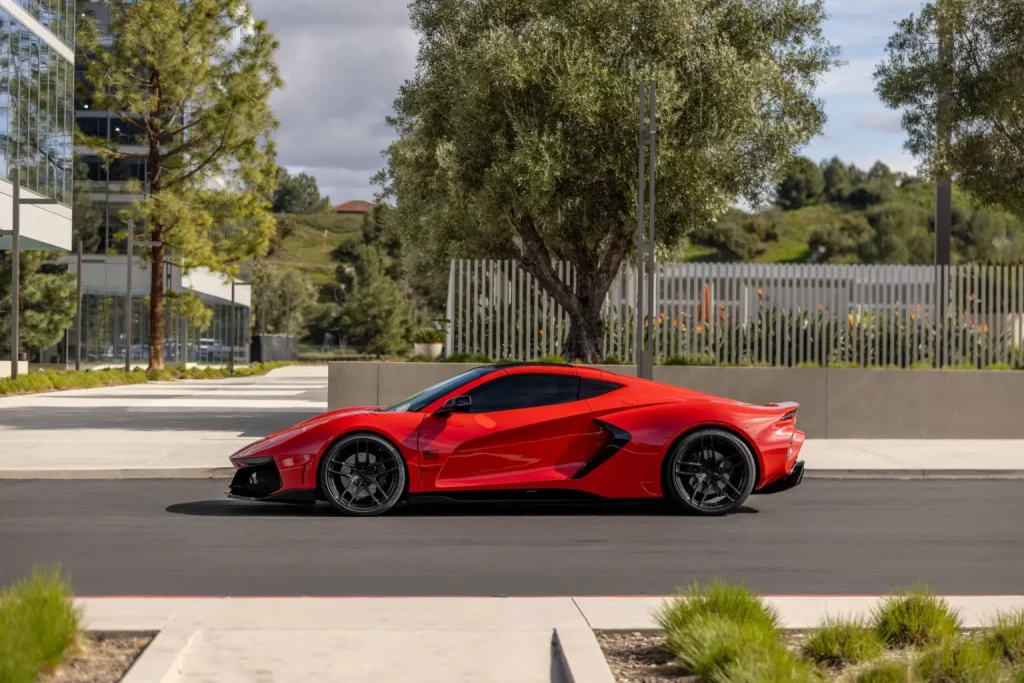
960, 661
769, 665
429, 335
841, 643
914, 619
38, 623
708, 644
1005, 637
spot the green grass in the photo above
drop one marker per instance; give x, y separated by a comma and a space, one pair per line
769, 665
841, 643
1005, 637
37, 382
886, 671
710, 644
38, 623
915, 619
735, 603
959, 661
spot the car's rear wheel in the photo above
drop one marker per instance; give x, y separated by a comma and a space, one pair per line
709, 472
362, 475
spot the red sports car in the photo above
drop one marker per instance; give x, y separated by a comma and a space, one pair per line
530, 429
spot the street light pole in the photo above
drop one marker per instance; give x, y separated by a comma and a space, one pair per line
645, 243
15, 273
129, 302
78, 310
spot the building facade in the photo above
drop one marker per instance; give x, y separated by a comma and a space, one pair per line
37, 77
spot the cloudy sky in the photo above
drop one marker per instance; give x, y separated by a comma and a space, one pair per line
343, 61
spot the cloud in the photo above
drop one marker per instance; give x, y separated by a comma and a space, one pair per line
856, 77
342, 62
882, 122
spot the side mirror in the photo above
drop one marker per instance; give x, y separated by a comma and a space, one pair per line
458, 404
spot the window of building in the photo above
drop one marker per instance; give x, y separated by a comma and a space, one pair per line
532, 390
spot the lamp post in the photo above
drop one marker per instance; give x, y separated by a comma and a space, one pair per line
645, 243
15, 232
80, 260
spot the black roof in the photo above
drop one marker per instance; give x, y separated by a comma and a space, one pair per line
530, 364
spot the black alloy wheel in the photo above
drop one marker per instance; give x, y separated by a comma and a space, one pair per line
363, 475
710, 472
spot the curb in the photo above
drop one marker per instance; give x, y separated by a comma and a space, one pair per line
581, 656
228, 472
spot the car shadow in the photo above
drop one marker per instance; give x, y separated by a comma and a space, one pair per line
441, 508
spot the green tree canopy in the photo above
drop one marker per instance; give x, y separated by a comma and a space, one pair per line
283, 299
837, 180
86, 219
298, 194
376, 318
518, 133
190, 82
984, 86
803, 184
47, 301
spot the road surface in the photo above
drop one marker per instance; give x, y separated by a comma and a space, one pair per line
825, 537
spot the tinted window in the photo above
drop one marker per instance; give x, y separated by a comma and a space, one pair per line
592, 388
422, 399
524, 391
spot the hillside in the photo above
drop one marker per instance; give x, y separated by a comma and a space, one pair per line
307, 242
861, 217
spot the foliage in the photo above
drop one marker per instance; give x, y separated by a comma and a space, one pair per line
283, 299
47, 300
376, 318
297, 194
518, 132
86, 219
803, 184
38, 623
468, 358
709, 644
981, 79
959, 661
886, 671
197, 102
38, 382
914, 619
1005, 637
770, 665
736, 603
429, 335
840, 643
196, 311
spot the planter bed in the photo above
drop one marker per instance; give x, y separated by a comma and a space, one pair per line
99, 658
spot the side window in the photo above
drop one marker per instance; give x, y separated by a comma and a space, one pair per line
513, 392
592, 388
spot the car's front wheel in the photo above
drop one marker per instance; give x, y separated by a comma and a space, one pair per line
709, 472
362, 475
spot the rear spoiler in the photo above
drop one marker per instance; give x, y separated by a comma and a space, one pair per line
787, 411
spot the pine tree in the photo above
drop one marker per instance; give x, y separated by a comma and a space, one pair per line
47, 301
190, 81
376, 318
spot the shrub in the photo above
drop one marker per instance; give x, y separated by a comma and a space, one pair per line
959, 661
38, 623
731, 602
915, 618
428, 335
839, 643
553, 358
419, 358
889, 671
467, 358
1005, 637
769, 665
709, 644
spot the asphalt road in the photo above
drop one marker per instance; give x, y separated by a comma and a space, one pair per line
184, 538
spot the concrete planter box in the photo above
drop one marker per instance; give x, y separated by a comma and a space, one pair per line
5, 368
834, 403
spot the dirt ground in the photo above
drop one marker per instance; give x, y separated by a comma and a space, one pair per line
100, 658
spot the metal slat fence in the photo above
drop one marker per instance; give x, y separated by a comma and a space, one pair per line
755, 314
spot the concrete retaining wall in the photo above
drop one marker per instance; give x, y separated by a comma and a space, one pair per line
834, 403
5, 368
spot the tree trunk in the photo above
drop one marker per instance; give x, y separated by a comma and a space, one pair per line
156, 310
585, 341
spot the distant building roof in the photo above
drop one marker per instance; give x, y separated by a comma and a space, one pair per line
353, 206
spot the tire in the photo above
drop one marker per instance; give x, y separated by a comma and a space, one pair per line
709, 472
363, 475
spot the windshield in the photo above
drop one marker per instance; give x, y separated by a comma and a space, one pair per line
422, 399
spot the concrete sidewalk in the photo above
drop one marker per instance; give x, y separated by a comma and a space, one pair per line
157, 454
354, 640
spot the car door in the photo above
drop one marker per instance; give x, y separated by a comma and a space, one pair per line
526, 428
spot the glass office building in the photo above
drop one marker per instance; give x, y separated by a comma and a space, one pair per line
37, 96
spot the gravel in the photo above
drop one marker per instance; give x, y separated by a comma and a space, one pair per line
641, 658
100, 658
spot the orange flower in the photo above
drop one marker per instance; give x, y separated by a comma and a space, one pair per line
849, 319
540, 331
675, 323
682, 326
760, 291
821, 307
700, 329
